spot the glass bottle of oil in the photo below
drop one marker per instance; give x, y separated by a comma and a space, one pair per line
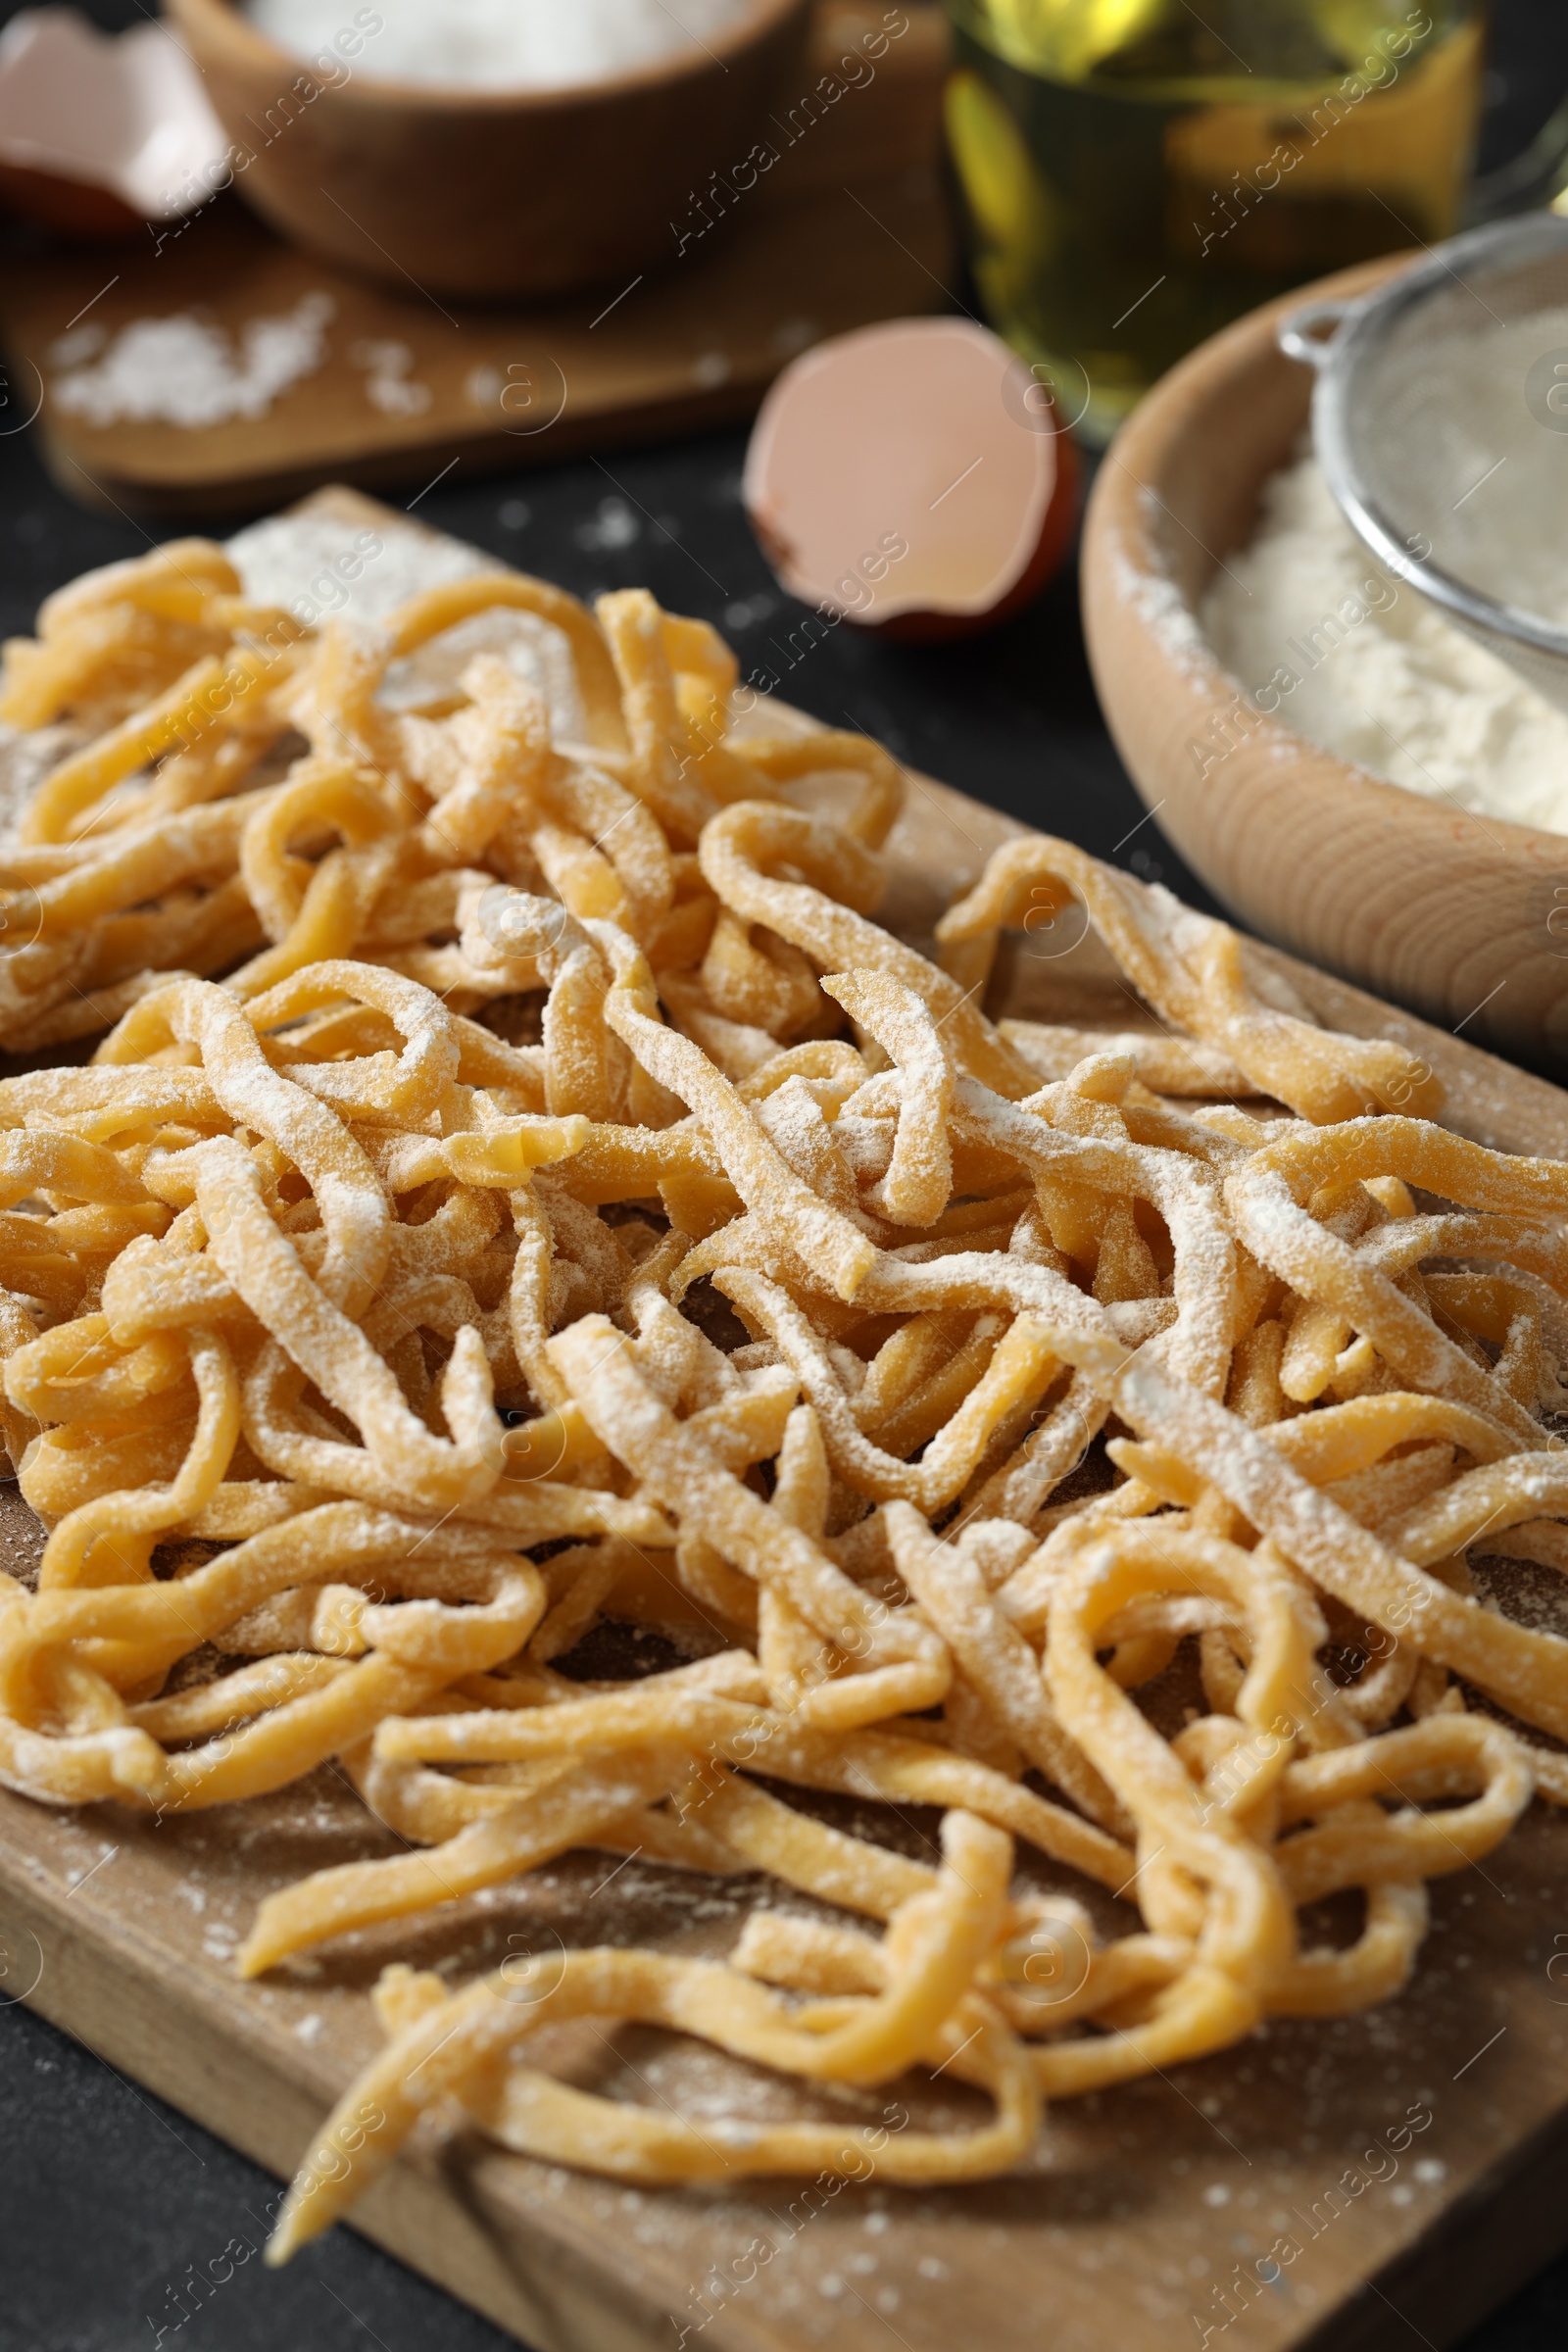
1139, 173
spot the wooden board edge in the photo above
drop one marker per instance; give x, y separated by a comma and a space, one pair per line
82, 463
109, 492
1482, 2249
432, 2213
448, 2216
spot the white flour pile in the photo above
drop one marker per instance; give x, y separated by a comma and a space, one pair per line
185, 370
1319, 635
503, 44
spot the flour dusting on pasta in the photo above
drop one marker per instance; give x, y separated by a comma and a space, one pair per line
522, 1209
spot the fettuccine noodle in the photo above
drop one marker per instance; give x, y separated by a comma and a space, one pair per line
1058, 1368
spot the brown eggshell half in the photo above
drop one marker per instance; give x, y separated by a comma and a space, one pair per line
914, 477
69, 206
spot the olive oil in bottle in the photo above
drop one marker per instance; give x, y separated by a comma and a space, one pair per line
1136, 173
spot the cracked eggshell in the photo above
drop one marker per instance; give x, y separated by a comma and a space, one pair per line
914, 477
100, 133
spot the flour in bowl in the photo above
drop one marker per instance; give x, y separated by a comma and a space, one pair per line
1321, 637
503, 44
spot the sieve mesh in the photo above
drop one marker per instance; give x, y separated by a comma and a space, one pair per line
1441, 425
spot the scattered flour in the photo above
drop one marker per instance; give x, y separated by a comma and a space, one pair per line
1316, 632
185, 370
389, 380
516, 44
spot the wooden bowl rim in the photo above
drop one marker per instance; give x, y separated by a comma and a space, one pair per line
226, 24
1117, 534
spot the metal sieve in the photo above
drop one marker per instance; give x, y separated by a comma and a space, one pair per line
1427, 391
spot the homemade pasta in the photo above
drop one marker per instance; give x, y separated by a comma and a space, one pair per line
518, 1185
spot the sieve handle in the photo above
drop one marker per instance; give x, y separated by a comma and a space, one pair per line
1297, 334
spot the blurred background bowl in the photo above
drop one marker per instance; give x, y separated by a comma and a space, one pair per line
487, 193
1462, 918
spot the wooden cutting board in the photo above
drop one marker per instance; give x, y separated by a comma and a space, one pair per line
850, 226
1406, 2167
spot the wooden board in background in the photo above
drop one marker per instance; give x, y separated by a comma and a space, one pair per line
850, 226
1139, 2202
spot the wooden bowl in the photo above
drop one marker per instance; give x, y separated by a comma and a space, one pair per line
1463, 919
485, 193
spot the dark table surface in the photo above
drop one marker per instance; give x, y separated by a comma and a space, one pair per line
107, 2196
